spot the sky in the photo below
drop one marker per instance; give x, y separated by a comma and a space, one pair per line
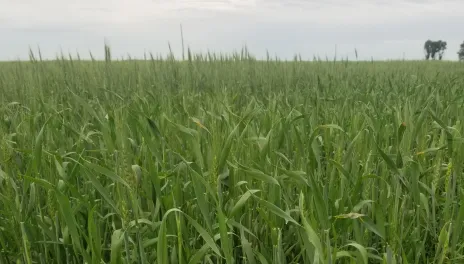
377, 29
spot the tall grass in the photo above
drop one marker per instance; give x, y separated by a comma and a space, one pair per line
226, 159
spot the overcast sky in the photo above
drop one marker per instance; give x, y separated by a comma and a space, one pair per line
380, 29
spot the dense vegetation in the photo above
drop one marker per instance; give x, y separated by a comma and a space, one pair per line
461, 52
226, 159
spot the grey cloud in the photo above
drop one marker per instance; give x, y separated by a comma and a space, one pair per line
283, 27
71, 27
96, 9
47, 29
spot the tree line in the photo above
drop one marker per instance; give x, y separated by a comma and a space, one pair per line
434, 48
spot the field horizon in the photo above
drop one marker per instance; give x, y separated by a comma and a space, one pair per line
244, 51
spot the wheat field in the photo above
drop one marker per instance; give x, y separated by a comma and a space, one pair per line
223, 158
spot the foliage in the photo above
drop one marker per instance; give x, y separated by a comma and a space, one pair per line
432, 48
226, 159
461, 52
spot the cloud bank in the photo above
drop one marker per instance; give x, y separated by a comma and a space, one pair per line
378, 29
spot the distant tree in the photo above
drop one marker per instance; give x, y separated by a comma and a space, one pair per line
432, 48
461, 52
428, 48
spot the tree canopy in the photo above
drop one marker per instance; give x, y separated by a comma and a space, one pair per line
461, 52
432, 48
